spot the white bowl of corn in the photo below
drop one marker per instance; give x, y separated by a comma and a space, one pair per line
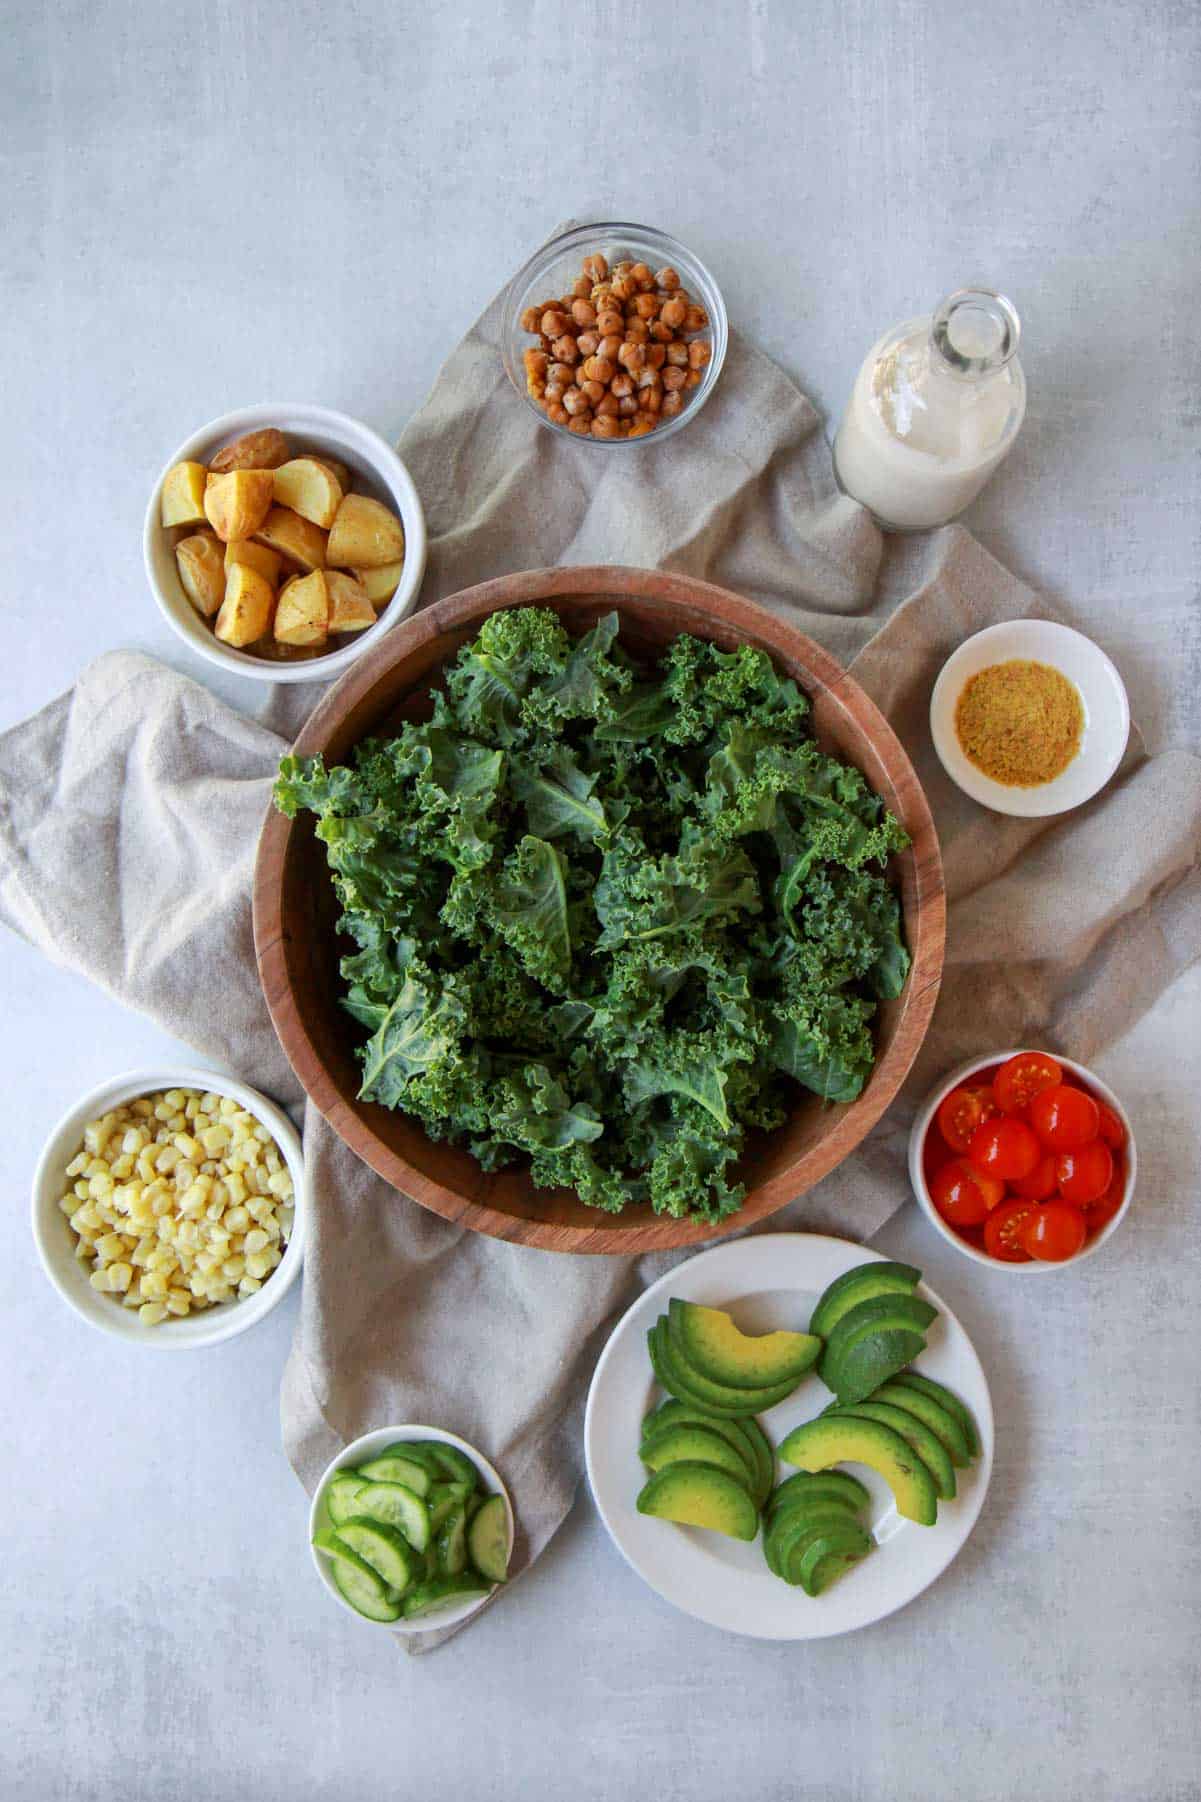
169, 1207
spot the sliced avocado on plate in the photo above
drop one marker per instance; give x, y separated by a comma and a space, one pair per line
913, 1379
864, 1283
947, 1426
700, 1495
841, 1439
928, 1446
713, 1345
701, 1445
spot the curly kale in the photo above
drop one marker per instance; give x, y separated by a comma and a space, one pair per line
604, 917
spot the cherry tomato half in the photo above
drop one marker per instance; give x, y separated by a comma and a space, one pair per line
963, 1196
1004, 1147
961, 1112
1020, 1080
1042, 1181
1111, 1128
1084, 1175
1064, 1118
1054, 1232
1003, 1230
1100, 1212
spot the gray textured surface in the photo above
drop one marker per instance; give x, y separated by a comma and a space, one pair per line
357, 180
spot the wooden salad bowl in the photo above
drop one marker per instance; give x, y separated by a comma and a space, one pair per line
295, 912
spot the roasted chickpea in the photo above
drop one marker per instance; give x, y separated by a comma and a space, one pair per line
627, 406
554, 322
667, 277
556, 411
587, 343
581, 424
643, 276
656, 355
609, 319
592, 390
596, 267
606, 407
674, 378
556, 390
581, 288
632, 356
621, 385
636, 330
699, 353
641, 424
678, 354
662, 334
536, 364
604, 426
622, 268
697, 319
560, 372
564, 349
531, 320
537, 391
584, 313
672, 404
673, 313
647, 306
651, 400
600, 369
545, 343
608, 347
624, 287
693, 379
575, 401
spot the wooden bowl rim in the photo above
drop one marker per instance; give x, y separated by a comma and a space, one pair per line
926, 930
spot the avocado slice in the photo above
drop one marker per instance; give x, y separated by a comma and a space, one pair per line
700, 1495
842, 1439
711, 1343
672, 1413
913, 1379
698, 1391
940, 1420
872, 1361
764, 1454
882, 1311
826, 1559
863, 1283
928, 1446
695, 1445
792, 1531
829, 1486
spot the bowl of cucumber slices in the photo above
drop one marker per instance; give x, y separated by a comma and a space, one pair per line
411, 1528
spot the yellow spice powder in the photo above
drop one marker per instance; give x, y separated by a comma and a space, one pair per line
1020, 722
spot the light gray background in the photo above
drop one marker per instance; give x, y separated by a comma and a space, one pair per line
240, 201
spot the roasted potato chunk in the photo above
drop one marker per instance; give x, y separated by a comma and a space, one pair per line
310, 488
349, 608
269, 563
364, 535
302, 612
201, 564
237, 504
341, 472
182, 502
299, 542
246, 610
256, 450
381, 584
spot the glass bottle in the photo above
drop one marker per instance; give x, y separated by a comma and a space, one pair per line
935, 407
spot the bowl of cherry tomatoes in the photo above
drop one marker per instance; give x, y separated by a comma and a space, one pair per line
1023, 1160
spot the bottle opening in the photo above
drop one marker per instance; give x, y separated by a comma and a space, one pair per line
975, 332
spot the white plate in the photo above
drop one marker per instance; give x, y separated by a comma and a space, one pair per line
767, 1282
1102, 694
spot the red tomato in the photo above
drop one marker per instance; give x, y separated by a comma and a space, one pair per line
1004, 1147
1111, 1128
1084, 1175
963, 1196
1054, 1232
1100, 1212
1003, 1229
1064, 1118
1021, 1079
1041, 1182
961, 1112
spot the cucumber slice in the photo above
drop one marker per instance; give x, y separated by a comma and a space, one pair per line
442, 1501
456, 1464
452, 1543
390, 1467
383, 1548
488, 1540
396, 1506
338, 1497
427, 1598
357, 1583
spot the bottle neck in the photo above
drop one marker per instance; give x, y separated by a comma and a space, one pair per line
974, 333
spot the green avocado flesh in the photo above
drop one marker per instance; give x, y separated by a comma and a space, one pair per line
876, 1356
831, 1556
913, 1379
803, 1490
842, 1439
882, 1311
711, 1343
793, 1529
699, 1495
864, 1283
695, 1445
932, 1414
672, 1413
917, 1435
688, 1385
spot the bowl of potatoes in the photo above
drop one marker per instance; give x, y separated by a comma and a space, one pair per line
282, 540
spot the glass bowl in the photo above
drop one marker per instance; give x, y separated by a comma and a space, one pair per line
551, 271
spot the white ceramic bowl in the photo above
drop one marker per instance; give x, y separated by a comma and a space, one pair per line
925, 1119
56, 1242
318, 429
1106, 714
358, 1452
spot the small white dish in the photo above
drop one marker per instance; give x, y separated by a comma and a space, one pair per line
316, 429
370, 1445
1102, 693
925, 1120
771, 1281
56, 1242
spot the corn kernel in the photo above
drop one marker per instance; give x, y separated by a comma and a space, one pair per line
152, 1313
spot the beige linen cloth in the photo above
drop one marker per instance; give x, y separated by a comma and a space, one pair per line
130, 809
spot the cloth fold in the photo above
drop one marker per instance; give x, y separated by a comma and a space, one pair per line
130, 811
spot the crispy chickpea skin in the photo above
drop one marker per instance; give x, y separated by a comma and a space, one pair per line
667, 277
596, 267
581, 424
643, 276
587, 344
632, 356
647, 306
564, 349
584, 313
592, 390
698, 354
672, 404
674, 313
609, 319
604, 426
697, 319
554, 322
674, 378
531, 320
575, 401
600, 369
